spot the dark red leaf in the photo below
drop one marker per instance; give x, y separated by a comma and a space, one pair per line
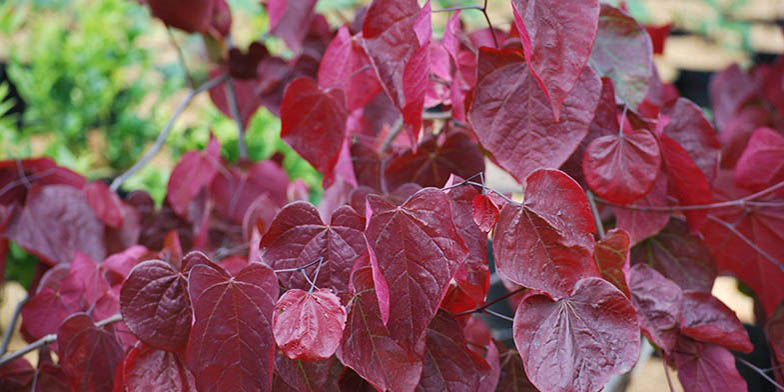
298, 237
729, 89
612, 258
245, 92
630, 73
48, 308
706, 319
397, 38
55, 223
643, 224
242, 65
485, 213
194, 172
774, 330
687, 182
682, 257
232, 321
308, 326
190, 16
508, 117
577, 343
88, 354
658, 302
18, 175
16, 376
233, 194
304, 376
513, 377
658, 36
288, 19
622, 167
85, 281
546, 243
762, 163
155, 306
313, 122
106, 205
419, 250
449, 365
557, 40
689, 127
704, 367
116, 267
146, 369
346, 66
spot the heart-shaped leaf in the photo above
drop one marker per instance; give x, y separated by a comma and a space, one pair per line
706, 319
146, 369
308, 326
88, 354
612, 258
658, 302
704, 367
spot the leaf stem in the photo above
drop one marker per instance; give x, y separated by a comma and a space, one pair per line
493, 302
499, 315
12, 325
315, 276
596, 217
117, 183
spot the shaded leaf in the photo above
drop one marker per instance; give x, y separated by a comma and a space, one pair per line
643, 224
762, 163
88, 354
194, 172
16, 376
704, 367
304, 376
186, 15
288, 19
513, 377
146, 369
658, 303
689, 127
706, 319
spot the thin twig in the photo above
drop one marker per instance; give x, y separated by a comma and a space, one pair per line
482, 8
493, 302
760, 372
667, 374
748, 242
501, 195
49, 339
499, 315
117, 183
396, 128
12, 325
231, 98
315, 276
490, 25
181, 56
596, 217
295, 269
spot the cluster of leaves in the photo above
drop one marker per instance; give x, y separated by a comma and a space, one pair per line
238, 283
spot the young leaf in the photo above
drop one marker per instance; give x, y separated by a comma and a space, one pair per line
762, 163
308, 326
485, 212
704, 367
612, 258
232, 322
106, 205
194, 172
313, 123
297, 237
622, 167
546, 243
146, 369
369, 348
88, 354
706, 319
577, 343
346, 66
557, 39
510, 120
419, 249
658, 302
155, 306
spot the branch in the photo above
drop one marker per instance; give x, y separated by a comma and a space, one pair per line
760, 372
117, 183
482, 8
231, 98
493, 302
667, 374
499, 315
49, 339
295, 269
12, 325
596, 217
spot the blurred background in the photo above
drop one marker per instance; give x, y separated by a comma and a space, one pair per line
91, 83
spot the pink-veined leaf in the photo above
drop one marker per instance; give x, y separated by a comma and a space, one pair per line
418, 250
706, 319
762, 163
658, 302
579, 342
346, 66
194, 172
630, 73
510, 117
106, 205
88, 354
689, 127
643, 224
623, 167
687, 182
146, 369
313, 122
289, 20
557, 39
546, 243
308, 326
485, 212
231, 345
297, 237
704, 367
612, 258
368, 346
155, 306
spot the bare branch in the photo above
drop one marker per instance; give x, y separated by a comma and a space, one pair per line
482, 8
596, 217
12, 325
760, 372
231, 98
493, 302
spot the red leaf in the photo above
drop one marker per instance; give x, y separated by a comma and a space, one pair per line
680, 256
298, 237
232, 320
397, 37
774, 330
513, 378
116, 267
546, 243
304, 376
622, 167
485, 212
630, 73
612, 258
706, 367
577, 343
346, 66
449, 365
88, 354
658, 36
419, 250
643, 224
17, 175
245, 93
235, 193
689, 127
657, 301
289, 20
48, 308
729, 90
146, 369
85, 281
313, 122
508, 119
687, 182
194, 172
69, 225
557, 40
106, 205
155, 306
187, 15
368, 346
762, 163
15, 376
308, 326
242, 65
706, 319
